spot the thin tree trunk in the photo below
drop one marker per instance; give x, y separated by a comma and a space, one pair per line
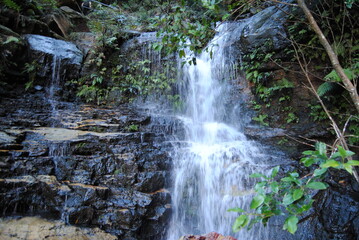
340, 135
349, 86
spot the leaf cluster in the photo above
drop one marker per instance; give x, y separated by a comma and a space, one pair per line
292, 195
187, 28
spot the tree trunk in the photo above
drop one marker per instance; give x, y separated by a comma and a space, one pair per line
349, 86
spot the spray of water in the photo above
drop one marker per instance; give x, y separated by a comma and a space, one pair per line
213, 165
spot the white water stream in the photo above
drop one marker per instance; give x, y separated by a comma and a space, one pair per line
213, 165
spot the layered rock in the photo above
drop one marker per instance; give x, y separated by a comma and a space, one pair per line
103, 175
34, 228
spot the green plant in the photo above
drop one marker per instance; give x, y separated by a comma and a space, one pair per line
292, 118
255, 105
11, 4
183, 28
292, 195
282, 141
261, 119
30, 69
132, 128
317, 112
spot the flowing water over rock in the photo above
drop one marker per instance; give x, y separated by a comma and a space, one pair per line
213, 164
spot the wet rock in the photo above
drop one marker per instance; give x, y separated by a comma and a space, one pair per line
337, 214
87, 177
209, 236
6, 139
150, 181
78, 20
85, 41
12, 50
45, 49
59, 23
34, 228
29, 25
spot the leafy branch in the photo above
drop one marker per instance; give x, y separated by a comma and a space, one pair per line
292, 195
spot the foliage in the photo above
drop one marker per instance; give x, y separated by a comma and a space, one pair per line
132, 128
135, 79
291, 117
292, 195
30, 69
12, 5
106, 22
325, 88
46, 4
5, 54
261, 119
187, 26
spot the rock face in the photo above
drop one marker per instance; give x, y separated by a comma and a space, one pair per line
35, 228
44, 50
93, 172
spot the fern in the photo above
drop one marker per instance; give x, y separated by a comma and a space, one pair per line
325, 88
11, 4
333, 76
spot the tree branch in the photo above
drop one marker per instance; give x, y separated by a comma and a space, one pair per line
349, 86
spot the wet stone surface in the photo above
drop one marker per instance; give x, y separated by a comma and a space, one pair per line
91, 170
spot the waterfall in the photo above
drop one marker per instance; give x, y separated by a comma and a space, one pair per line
213, 164
54, 87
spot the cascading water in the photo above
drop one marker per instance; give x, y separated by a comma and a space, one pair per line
54, 86
213, 165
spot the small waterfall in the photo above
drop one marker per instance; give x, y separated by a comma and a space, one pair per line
212, 166
54, 86
59, 151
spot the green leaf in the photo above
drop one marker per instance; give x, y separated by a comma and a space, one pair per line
240, 222
287, 199
182, 53
291, 224
11, 39
257, 201
294, 174
237, 209
297, 194
316, 185
257, 175
353, 162
330, 163
321, 148
348, 168
308, 153
275, 187
307, 161
319, 171
325, 88
342, 151
275, 171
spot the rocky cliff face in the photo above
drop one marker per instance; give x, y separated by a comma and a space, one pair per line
93, 172
101, 167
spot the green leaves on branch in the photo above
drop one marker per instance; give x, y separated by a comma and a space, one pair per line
11, 4
183, 28
291, 195
290, 224
240, 223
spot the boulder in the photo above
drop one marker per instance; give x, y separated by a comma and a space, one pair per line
45, 50
264, 30
59, 23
